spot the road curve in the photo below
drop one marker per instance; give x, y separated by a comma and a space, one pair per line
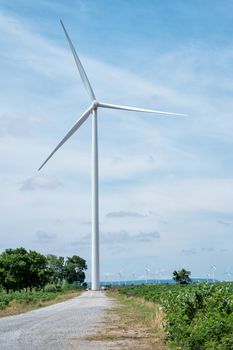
56, 327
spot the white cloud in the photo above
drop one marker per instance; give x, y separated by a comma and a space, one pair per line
122, 213
188, 252
40, 182
45, 237
17, 126
120, 238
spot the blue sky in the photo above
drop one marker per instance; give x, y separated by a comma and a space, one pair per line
166, 193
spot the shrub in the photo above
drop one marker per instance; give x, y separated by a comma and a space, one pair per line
50, 288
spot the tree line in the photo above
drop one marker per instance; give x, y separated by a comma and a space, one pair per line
22, 269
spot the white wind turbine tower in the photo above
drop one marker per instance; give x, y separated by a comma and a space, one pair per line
92, 110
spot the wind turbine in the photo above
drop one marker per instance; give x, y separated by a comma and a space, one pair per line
120, 276
133, 277
147, 270
213, 269
229, 274
92, 110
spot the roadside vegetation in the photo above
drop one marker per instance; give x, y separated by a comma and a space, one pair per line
197, 316
29, 279
17, 302
132, 323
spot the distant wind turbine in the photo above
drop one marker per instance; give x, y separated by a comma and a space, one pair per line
213, 269
228, 274
92, 110
133, 277
147, 270
120, 276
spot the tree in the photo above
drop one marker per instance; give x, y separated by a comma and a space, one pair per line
39, 272
56, 265
14, 267
21, 269
74, 269
182, 276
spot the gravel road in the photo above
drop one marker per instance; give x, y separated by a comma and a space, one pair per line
59, 326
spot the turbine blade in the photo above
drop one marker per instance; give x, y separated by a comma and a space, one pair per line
135, 109
70, 133
79, 66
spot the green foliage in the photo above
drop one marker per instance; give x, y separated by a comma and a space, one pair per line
56, 265
182, 276
73, 286
39, 274
52, 288
74, 269
21, 269
199, 316
25, 297
50, 292
14, 266
27, 270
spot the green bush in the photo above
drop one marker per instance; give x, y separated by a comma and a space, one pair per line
26, 297
73, 286
199, 316
51, 288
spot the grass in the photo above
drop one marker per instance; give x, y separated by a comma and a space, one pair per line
132, 324
16, 307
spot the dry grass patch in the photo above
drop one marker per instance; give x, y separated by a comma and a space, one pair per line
132, 324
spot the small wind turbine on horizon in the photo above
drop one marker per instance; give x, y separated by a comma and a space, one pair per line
133, 277
229, 274
120, 276
213, 269
147, 270
92, 110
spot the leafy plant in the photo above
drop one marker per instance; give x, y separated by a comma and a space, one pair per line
198, 316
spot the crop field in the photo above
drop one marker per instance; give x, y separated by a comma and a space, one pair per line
198, 316
22, 301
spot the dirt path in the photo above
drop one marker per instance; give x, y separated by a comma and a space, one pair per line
60, 326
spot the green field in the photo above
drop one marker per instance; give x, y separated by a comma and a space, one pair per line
25, 297
198, 316
22, 301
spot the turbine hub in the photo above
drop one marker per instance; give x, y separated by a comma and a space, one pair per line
95, 103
